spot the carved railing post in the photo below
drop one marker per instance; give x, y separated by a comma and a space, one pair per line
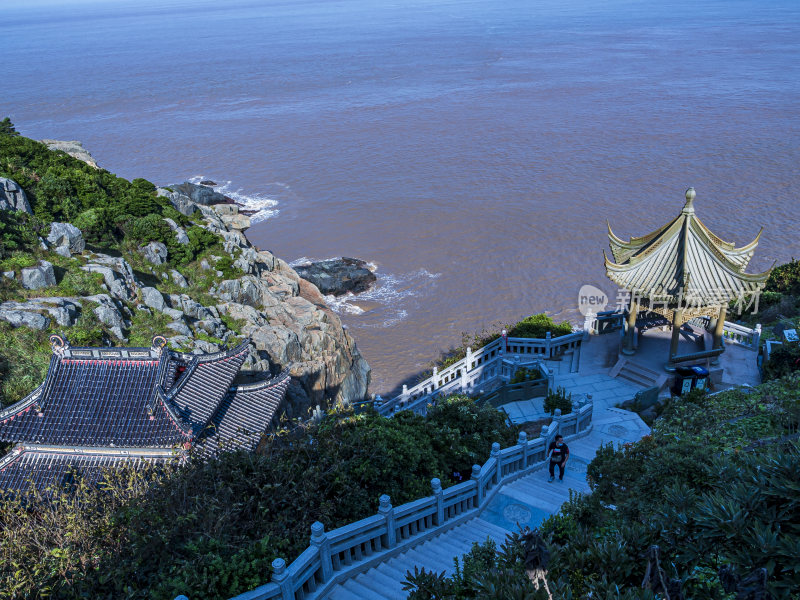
476, 477
387, 511
320, 539
547, 344
497, 467
756, 337
523, 441
436, 486
281, 576
435, 378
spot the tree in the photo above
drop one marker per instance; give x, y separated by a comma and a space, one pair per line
7, 127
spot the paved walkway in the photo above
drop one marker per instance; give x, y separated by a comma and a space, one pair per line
528, 500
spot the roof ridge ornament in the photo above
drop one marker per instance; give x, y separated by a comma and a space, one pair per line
690, 196
158, 344
59, 344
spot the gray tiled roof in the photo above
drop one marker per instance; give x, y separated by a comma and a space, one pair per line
96, 402
201, 388
99, 407
47, 466
246, 412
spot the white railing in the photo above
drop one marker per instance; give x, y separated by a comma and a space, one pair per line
478, 368
337, 555
733, 333
741, 335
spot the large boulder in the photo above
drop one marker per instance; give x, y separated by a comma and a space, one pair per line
180, 202
338, 276
72, 147
64, 311
152, 298
108, 313
66, 235
180, 234
12, 196
41, 276
201, 194
22, 318
154, 252
117, 275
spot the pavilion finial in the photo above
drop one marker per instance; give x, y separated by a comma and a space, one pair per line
690, 195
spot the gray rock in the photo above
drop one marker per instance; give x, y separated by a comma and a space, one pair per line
173, 313
72, 147
63, 251
118, 278
213, 327
181, 328
66, 234
21, 318
34, 278
152, 298
338, 276
242, 291
109, 315
9, 275
12, 196
204, 265
179, 342
204, 347
200, 194
180, 234
154, 252
238, 222
179, 279
64, 311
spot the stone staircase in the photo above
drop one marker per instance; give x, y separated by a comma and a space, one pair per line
524, 501
638, 374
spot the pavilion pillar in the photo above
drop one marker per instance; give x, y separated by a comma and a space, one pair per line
630, 330
677, 321
719, 327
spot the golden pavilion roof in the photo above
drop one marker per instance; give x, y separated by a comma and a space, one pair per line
683, 262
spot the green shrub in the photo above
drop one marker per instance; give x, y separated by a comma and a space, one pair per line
526, 374
785, 279
783, 360
558, 399
537, 326
24, 357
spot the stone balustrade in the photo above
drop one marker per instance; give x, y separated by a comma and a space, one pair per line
337, 555
478, 368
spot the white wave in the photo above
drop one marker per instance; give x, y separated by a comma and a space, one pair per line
343, 304
390, 292
262, 205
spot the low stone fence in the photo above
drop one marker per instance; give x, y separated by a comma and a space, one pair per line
334, 556
515, 392
478, 368
733, 333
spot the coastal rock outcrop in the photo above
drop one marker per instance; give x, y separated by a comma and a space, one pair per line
154, 252
72, 147
40, 276
201, 194
338, 276
12, 196
67, 237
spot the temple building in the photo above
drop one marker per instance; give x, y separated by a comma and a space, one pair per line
682, 271
100, 407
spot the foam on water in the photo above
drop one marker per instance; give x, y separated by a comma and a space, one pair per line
391, 292
262, 204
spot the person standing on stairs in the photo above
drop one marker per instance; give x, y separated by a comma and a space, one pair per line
559, 453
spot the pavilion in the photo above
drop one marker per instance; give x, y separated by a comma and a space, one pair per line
102, 407
682, 271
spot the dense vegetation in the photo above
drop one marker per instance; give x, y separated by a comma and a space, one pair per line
716, 484
211, 529
779, 310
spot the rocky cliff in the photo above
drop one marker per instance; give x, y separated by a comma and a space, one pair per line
250, 293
